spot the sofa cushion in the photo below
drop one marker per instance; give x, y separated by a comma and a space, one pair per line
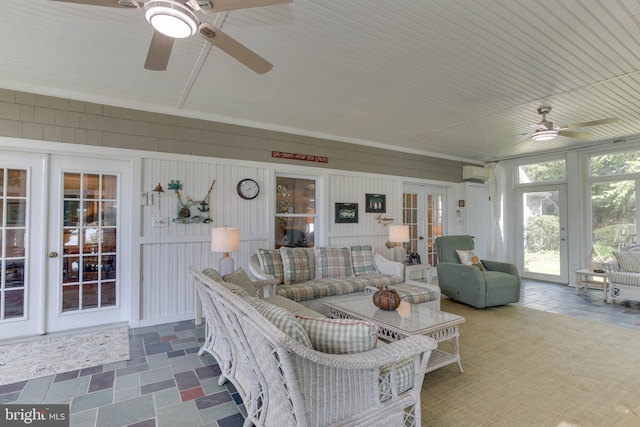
340, 336
241, 278
624, 278
296, 265
271, 263
363, 260
470, 257
628, 261
282, 319
415, 294
292, 307
318, 288
333, 262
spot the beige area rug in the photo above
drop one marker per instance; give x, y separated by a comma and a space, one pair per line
524, 367
63, 353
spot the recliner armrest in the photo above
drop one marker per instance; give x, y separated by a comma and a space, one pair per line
504, 267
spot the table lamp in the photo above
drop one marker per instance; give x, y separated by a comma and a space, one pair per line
225, 240
399, 234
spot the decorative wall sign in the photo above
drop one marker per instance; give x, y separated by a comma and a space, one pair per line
191, 211
296, 156
346, 213
376, 203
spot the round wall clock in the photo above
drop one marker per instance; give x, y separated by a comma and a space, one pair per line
248, 189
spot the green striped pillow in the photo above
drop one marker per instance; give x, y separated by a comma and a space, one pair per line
340, 336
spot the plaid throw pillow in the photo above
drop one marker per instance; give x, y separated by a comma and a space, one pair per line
241, 279
296, 265
333, 262
340, 336
363, 260
283, 320
271, 263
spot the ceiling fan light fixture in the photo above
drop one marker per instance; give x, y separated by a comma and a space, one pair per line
544, 135
171, 18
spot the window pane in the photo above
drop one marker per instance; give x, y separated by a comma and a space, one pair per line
16, 212
14, 303
541, 216
71, 186
542, 172
615, 164
109, 187
91, 188
613, 213
295, 209
16, 183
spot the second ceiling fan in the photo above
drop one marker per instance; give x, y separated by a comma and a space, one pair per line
172, 19
545, 131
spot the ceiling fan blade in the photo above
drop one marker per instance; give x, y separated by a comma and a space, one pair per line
593, 123
125, 4
233, 48
224, 5
572, 134
159, 52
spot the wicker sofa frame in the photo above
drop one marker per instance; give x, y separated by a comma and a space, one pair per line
284, 383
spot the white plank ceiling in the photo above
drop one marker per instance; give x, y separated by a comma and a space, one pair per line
452, 78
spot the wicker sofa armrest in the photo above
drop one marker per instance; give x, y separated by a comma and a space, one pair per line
386, 266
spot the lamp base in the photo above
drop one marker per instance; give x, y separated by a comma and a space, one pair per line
399, 254
225, 265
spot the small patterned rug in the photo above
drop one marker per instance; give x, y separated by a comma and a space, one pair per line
56, 354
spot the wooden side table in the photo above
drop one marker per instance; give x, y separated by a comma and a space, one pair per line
586, 279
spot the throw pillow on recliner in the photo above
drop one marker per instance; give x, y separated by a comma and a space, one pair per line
470, 258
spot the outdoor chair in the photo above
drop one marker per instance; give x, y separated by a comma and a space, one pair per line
486, 284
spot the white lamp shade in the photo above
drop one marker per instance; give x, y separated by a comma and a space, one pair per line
399, 233
225, 239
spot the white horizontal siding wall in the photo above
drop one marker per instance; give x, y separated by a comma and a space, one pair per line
167, 291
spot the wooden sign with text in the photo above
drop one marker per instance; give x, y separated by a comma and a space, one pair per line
295, 156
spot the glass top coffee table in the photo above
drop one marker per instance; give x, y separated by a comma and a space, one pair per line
406, 320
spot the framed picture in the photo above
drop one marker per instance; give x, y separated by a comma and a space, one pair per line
346, 212
376, 203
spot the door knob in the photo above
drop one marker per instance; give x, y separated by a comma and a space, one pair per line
53, 254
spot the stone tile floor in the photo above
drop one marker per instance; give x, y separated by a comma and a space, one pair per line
167, 384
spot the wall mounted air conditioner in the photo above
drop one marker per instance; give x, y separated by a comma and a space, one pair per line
475, 172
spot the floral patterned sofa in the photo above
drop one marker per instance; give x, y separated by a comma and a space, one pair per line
308, 275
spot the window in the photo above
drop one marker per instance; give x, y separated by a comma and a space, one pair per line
555, 170
614, 179
295, 212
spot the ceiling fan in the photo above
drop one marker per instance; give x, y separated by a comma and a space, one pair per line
545, 131
174, 19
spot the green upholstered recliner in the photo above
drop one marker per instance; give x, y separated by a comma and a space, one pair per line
498, 285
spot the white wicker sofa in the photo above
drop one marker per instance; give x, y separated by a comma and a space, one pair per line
309, 275
273, 359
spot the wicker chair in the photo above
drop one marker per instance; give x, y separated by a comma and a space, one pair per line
285, 383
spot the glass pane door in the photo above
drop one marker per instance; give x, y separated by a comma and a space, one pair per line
13, 228
89, 241
543, 234
423, 211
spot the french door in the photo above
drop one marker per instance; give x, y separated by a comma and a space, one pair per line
423, 210
88, 217
542, 232
62, 222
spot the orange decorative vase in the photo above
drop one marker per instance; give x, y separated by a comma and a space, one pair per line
386, 299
